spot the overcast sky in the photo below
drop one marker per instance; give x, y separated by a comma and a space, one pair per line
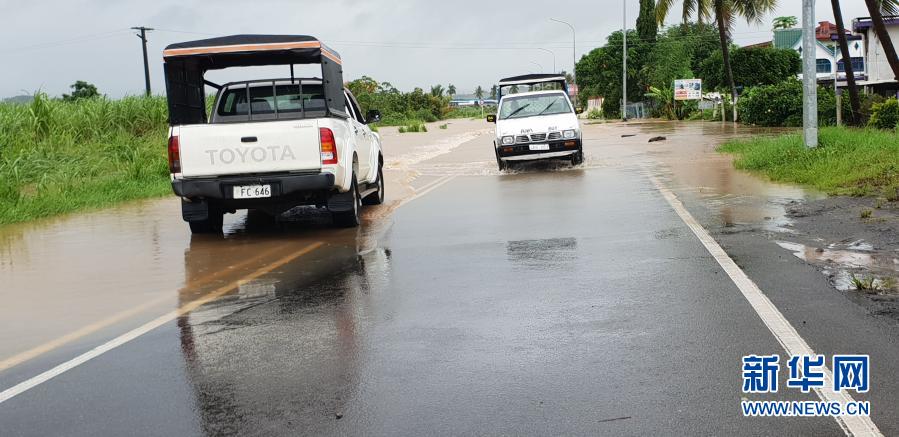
50, 44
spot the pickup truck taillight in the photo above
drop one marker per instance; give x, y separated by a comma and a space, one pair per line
329, 147
174, 154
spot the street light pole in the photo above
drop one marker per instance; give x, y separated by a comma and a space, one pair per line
573, 50
624, 63
552, 53
809, 76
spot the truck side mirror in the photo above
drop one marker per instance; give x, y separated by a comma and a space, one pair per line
373, 116
491, 118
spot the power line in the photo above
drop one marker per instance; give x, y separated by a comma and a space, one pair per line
74, 40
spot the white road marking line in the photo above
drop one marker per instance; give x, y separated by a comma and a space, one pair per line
147, 327
427, 188
779, 326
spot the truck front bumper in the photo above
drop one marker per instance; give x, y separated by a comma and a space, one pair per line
286, 185
523, 151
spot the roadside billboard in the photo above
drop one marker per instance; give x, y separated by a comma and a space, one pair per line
688, 89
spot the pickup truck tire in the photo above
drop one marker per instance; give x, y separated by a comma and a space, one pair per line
350, 218
577, 158
377, 197
499, 162
212, 224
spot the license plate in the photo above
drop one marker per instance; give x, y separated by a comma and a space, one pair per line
252, 191
539, 146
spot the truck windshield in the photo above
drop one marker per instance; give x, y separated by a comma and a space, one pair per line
266, 101
532, 106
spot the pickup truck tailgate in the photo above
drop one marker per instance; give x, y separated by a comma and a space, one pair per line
249, 148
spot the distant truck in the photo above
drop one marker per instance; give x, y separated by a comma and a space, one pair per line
539, 124
270, 144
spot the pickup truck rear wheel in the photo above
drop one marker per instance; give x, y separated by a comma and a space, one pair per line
212, 224
350, 218
377, 197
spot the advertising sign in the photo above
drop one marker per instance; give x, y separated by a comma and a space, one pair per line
688, 89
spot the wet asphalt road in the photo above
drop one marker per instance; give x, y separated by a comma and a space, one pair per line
548, 302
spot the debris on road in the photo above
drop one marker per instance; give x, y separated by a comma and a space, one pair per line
655, 139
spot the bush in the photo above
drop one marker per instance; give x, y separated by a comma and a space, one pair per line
594, 114
781, 105
885, 115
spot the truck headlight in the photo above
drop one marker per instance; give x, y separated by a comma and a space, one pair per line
508, 140
569, 134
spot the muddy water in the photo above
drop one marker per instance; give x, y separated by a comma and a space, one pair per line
106, 271
97, 274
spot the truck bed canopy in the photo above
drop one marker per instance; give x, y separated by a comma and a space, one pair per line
530, 80
186, 63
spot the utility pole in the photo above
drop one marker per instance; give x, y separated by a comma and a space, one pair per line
573, 50
809, 76
624, 63
143, 37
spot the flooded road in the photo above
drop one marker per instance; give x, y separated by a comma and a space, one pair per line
545, 300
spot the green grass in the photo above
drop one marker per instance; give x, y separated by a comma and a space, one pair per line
58, 157
413, 127
848, 161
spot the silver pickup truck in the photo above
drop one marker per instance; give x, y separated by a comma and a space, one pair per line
270, 144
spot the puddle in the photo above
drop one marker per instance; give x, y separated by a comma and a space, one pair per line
841, 262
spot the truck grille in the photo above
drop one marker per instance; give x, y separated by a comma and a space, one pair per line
536, 138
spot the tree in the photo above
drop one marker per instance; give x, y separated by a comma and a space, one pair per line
493, 91
751, 67
724, 12
451, 90
855, 102
81, 90
437, 90
479, 93
787, 22
647, 26
875, 8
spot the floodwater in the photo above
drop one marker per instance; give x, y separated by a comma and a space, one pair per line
104, 271
101, 272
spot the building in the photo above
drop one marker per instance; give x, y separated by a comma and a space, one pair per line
880, 77
828, 59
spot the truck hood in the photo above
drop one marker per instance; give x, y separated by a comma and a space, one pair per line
541, 124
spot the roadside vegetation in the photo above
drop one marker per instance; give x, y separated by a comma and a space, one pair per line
85, 151
59, 156
410, 109
848, 161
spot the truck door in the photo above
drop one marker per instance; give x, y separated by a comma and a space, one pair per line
364, 140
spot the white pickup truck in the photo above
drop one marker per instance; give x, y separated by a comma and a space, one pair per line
268, 145
538, 124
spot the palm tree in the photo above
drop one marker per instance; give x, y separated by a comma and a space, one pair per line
479, 93
437, 90
875, 8
451, 90
847, 63
725, 12
788, 22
